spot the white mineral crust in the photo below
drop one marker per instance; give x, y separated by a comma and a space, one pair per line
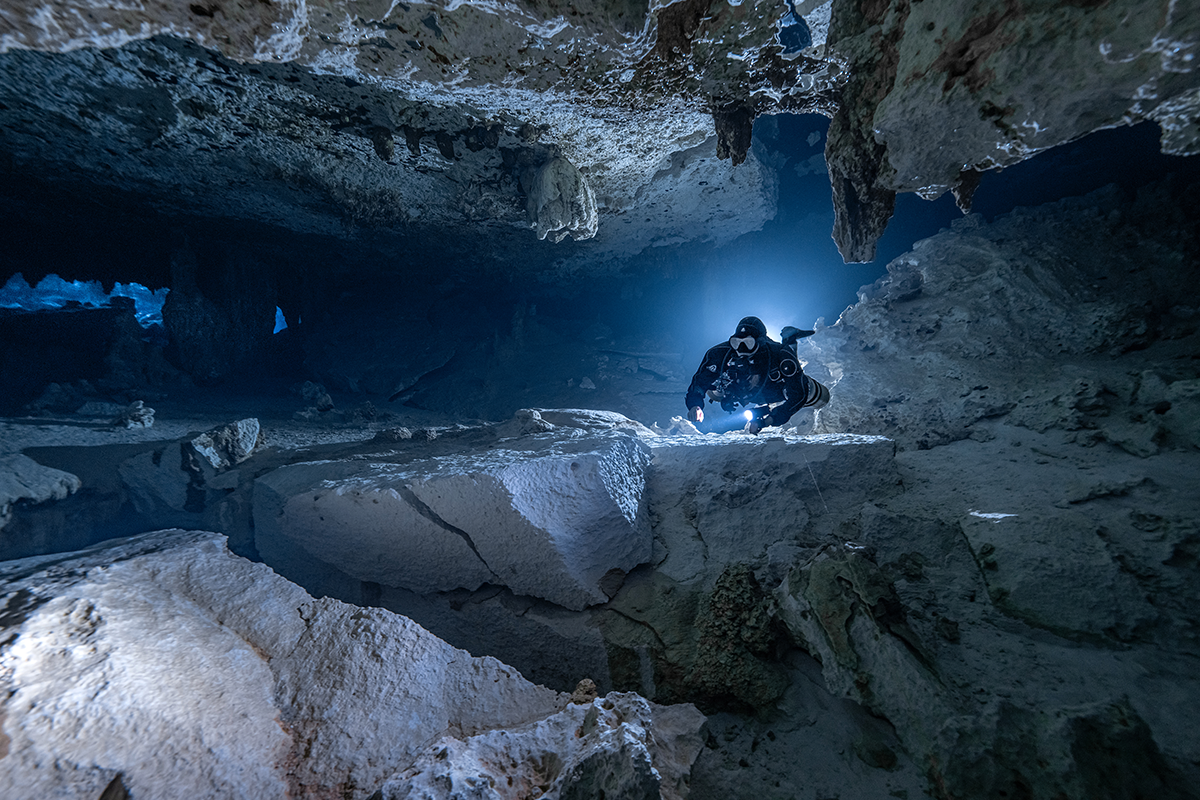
619, 746
189, 672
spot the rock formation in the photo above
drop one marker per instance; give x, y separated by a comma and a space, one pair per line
616, 746
972, 575
164, 666
24, 480
386, 117
563, 521
1074, 315
936, 93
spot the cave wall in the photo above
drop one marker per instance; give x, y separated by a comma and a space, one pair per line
1078, 313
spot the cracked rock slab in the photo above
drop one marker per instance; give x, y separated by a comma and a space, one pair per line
547, 518
1056, 572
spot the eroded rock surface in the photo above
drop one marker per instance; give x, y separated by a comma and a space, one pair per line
24, 480
618, 746
400, 118
183, 671
1019, 607
993, 620
938, 92
1076, 315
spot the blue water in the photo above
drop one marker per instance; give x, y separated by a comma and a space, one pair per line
53, 292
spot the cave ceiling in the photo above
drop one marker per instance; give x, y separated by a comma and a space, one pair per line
550, 135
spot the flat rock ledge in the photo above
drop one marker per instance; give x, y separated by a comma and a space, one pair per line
552, 517
164, 666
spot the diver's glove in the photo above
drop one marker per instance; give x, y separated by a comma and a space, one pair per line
791, 335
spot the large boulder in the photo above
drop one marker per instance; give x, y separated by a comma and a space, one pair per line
720, 508
169, 667
188, 481
559, 518
718, 500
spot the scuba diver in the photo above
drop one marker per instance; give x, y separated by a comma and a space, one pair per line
753, 370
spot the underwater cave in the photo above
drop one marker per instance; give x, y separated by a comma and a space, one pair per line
350, 360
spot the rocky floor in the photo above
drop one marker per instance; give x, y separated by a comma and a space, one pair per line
901, 622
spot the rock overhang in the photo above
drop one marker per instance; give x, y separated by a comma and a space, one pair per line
924, 97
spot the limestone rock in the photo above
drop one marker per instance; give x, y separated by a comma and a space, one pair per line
936, 92
23, 479
619, 747
547, 643
585, 692
1087, 751
703, 487
260, 33
560, 202
1024, 318
229, 445
924, 99
572, 421
175, 481
592, 420
1055, 571
674, 632
464, 147
189, 672
135, 415
523, 422
845, 612
735, 644
843, 608
546, 518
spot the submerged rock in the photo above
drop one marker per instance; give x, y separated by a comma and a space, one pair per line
23, 479
228, 445
136, 415
1035, 318
619, 747
167, 663
546, 518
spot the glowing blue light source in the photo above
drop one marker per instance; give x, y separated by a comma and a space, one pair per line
53, 292
748, 414
280, 321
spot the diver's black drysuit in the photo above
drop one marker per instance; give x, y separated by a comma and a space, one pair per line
769, 375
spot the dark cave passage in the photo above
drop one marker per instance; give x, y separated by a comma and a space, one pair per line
527, 339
